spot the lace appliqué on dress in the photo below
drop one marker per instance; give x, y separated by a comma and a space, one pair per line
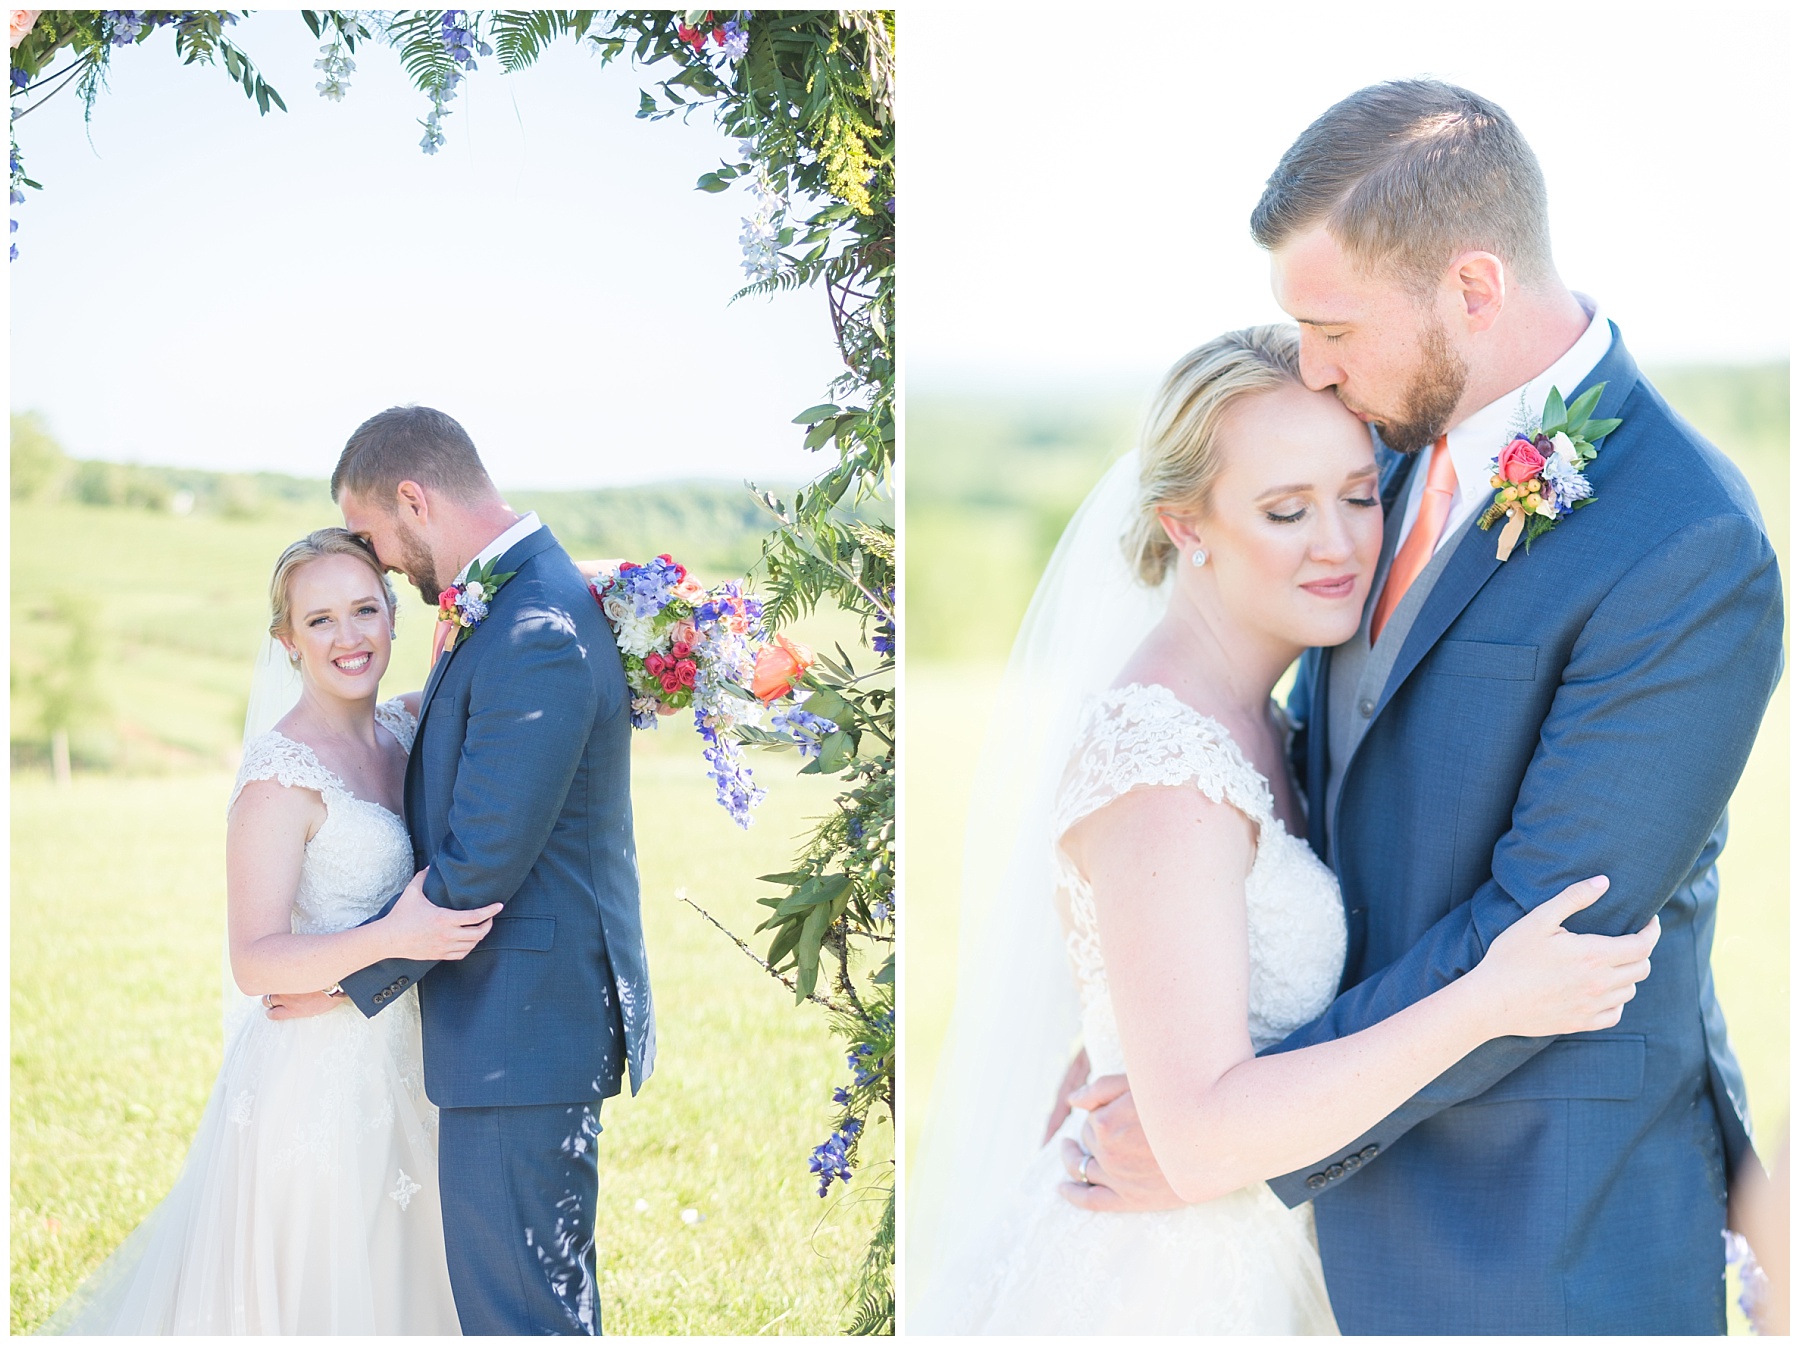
1142, 735
1131, 736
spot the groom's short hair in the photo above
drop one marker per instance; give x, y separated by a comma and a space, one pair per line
410, 444
1405, 175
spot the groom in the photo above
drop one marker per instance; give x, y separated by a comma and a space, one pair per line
1499, 729
517, 791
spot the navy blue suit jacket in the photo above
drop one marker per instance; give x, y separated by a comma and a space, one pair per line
519, 791
1584, 708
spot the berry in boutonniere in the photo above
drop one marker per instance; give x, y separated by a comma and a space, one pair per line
1537, 478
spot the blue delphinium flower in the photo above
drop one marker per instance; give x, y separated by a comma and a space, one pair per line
336, 66
840, 1096
737, 39
473, 608
19, 78
864, 1064
122, 25
832, 1159
737, 792
808, 730
881, 911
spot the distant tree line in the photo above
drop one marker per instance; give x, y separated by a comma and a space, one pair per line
711, 526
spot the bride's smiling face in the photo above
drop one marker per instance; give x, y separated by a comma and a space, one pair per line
1292, 526
338, 621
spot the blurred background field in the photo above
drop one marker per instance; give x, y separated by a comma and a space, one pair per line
990, 484
139, 600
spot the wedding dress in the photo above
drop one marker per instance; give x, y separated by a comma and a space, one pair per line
309, 1200
1243, 1263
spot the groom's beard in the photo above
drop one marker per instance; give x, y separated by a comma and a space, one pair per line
418, 565
1436, 389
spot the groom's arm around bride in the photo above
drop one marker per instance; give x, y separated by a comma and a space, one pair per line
1584, 707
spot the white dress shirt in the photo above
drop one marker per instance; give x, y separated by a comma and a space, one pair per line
522, 528
1474, 442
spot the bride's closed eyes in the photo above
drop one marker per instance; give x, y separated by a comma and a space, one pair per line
1361, 502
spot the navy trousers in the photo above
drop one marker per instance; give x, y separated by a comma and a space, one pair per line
519, 1190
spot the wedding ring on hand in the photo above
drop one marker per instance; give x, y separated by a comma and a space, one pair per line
1086, 1159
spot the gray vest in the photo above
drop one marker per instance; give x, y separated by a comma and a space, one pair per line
1358, 672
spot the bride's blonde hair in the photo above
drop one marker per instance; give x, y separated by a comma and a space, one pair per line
320, 543
1178, 450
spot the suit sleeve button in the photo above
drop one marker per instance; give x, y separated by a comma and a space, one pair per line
1335, 1172
1370, 1151
1316, 1181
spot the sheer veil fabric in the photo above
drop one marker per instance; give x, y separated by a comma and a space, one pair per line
275, 686
1018, 1014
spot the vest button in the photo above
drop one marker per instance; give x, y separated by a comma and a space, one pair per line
1365, 708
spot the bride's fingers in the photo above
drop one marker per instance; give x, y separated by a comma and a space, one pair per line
1090, 1198
1073, 1157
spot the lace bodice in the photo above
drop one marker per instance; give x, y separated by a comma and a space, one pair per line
362, 854
1144, 735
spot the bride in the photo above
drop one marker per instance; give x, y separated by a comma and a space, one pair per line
1136, 771
309, 1201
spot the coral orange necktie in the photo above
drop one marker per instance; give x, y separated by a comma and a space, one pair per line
1415, 553
439, 637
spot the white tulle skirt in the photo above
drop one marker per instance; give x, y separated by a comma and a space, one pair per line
308, 1203
1243, 1264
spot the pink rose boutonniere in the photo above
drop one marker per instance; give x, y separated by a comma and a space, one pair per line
1537, 478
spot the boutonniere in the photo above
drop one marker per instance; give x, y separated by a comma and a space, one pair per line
1537, 477
465, 605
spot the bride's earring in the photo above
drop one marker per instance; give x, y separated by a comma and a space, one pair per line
1199, 556
294, 658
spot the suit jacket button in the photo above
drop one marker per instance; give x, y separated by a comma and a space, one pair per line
1369, 1151
1316, 1181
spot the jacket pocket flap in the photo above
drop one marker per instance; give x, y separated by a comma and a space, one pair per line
535, 934
1579, 1067
1485, 659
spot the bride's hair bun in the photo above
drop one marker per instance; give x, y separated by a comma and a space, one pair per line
319, 543
1178, 451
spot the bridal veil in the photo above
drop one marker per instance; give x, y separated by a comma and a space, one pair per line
1017, 1013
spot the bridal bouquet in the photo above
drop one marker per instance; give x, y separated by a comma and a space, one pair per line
687, 647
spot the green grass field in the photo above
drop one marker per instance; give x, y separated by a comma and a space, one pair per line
1001, 478
118, 909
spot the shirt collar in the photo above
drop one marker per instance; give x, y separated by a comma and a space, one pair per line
522, 528
1474, 442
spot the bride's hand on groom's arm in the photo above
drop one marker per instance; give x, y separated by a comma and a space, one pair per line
1541, 980
1121, 1173
418, 928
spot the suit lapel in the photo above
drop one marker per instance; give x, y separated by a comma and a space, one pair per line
513, 559
1474, 561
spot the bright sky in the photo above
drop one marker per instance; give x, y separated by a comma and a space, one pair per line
200, 285
1085, 216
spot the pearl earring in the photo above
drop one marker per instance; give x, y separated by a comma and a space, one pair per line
1199, 556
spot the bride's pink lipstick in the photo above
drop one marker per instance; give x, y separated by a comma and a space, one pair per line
1339, 586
